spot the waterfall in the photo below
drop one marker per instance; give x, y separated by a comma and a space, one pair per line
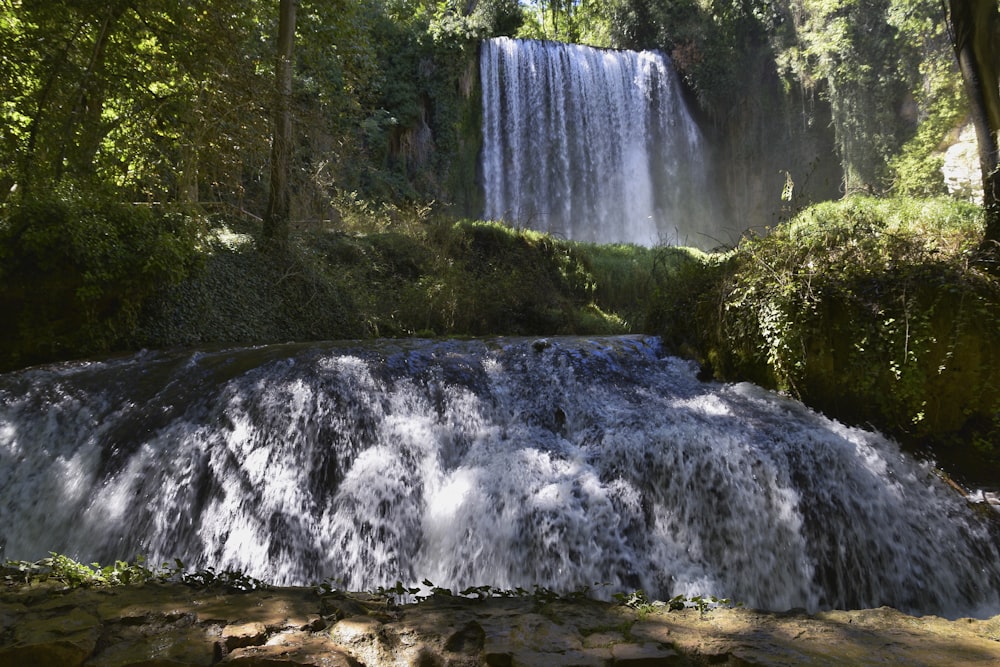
559, 462
592, 145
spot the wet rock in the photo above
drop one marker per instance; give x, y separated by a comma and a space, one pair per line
243, 635
175, 626
293, 650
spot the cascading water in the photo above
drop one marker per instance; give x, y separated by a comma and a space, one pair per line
559, 462
592, 145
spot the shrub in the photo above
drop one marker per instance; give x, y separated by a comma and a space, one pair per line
874, 311
75, 271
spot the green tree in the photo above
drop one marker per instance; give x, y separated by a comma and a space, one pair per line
974, 32
938, 99
279, 200
577, 21
850, 50
144, 96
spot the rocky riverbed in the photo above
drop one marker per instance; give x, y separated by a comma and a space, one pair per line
161, 625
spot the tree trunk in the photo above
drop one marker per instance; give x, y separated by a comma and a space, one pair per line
279, 200
84, 123
53, 68
974, 26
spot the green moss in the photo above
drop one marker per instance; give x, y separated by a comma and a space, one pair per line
874, 311
414, 274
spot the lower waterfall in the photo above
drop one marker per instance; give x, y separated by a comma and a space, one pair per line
593, 145
559, 462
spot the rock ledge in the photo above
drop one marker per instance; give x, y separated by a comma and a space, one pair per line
170, 625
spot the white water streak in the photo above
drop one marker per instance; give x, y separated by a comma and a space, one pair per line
564, 464
592, 145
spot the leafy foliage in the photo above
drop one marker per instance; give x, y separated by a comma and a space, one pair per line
414, 273
95, 261
74, 574
789, 84
877, 311
640, 602
141, 96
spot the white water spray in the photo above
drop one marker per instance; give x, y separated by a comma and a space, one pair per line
592, 145
562, 463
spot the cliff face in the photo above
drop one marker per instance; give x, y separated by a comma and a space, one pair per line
176, 625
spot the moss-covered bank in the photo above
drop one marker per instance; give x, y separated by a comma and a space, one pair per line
430, 278
83, 278
877, 312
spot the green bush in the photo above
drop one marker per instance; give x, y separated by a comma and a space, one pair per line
682, 307
75, 270
243, 296
874, 311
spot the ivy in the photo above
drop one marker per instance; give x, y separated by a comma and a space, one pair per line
876, 311
71, 573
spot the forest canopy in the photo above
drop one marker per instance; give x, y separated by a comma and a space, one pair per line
171, 102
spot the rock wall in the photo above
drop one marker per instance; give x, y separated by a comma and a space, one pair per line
160, 625
961, 172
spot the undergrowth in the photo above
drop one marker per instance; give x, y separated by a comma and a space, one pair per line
72, 574
409, 274
77, 269
878, 312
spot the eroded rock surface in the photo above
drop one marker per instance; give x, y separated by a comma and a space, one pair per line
159, 625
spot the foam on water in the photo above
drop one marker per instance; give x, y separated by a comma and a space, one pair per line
562, 463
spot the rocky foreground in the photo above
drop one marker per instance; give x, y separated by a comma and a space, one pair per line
166, 625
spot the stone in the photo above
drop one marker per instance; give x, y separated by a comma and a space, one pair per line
960, 166
528, 658
174, 625
644, 655
293, 650
244, 634
58, 653
314, 623
338, 608
291, 608
469, 639
355, 630
152, 646
58, 637
603, 639
650, 631
532, 629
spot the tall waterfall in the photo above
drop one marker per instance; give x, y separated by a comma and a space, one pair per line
559, 462
592, 145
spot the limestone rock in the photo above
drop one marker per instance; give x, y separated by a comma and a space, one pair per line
293, 650
960, 167
176, 626
645, 655
244, 634
57, 635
